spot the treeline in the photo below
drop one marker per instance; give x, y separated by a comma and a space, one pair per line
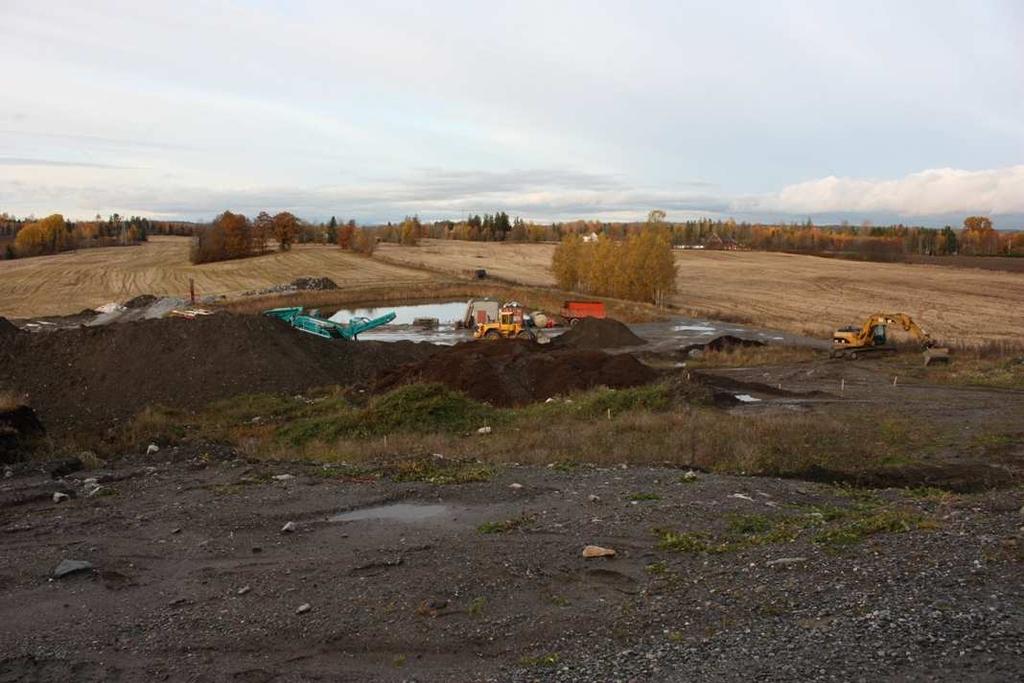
53, 234
976, 237
639, 268
233, 236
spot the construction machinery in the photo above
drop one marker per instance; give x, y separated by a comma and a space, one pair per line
512, 323
574, 311
872, 338
312, 323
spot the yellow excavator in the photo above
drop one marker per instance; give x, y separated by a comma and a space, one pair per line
872, 338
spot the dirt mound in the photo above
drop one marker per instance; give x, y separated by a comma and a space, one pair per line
19, 427
507, 373
314, 283
598, 333
141, 301
726, 342
7, 328
91, 376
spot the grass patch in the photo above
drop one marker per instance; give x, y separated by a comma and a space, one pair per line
832, 527
505, 525
547, 661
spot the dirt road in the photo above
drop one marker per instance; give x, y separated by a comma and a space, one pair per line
193, 578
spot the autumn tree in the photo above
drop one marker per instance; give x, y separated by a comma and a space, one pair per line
47, 236
237, 234
410, 231
262, 230
345, 234
286, 227
364, 242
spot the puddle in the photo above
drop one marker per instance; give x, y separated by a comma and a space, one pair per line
447, 313
395, 512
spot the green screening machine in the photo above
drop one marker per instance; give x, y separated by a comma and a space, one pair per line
328, 329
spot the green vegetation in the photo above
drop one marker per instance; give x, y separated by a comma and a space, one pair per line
832, 527
505, 525
547, 661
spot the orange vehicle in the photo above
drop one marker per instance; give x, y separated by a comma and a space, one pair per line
574, 311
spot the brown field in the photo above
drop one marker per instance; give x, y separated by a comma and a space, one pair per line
796, 293
67, 283
783, 291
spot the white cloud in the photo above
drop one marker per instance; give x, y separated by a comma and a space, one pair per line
933, 192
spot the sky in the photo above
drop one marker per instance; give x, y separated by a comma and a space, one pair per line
892, 111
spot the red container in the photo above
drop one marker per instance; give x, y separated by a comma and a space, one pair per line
574, 311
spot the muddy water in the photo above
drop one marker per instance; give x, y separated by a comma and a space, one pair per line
407, 513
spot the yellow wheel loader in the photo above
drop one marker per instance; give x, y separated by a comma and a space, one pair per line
511, 324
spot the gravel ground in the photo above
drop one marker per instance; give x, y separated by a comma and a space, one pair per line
193, 578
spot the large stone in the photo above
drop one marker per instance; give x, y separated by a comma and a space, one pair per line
68, 567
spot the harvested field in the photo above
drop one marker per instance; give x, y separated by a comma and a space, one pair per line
88, 377
805, 294
66, 283
515, 372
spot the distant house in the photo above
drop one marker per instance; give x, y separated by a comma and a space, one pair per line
592, 237
714, 241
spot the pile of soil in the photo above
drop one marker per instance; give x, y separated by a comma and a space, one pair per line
7, 328
141, 301
598, 333
314, 283
92, 376
517, 372
726, 342
19, 427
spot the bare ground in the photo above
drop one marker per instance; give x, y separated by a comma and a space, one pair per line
193, 578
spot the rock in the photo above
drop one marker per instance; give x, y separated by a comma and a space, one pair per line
484, 430
94, 491
303, 608
689, 475
59, 497
152, 448
284, 477
289, 527
597, 551
785, 561
8, 473
176, 530
68, 567
515, 485
243, 590
593, 498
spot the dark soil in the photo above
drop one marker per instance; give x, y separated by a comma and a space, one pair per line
597, 333
314, 283
724, 343
19, 429
192, 579
515, 372
141, 301
7, 328
89, 377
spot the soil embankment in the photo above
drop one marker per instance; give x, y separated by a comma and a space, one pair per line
91, 376
514, 372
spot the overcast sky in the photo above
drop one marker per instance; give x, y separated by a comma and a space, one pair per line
910, 111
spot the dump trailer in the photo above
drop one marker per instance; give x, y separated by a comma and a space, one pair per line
574, 311
312, 323
871, 338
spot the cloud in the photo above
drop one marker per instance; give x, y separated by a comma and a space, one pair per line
22, 161
934, 192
